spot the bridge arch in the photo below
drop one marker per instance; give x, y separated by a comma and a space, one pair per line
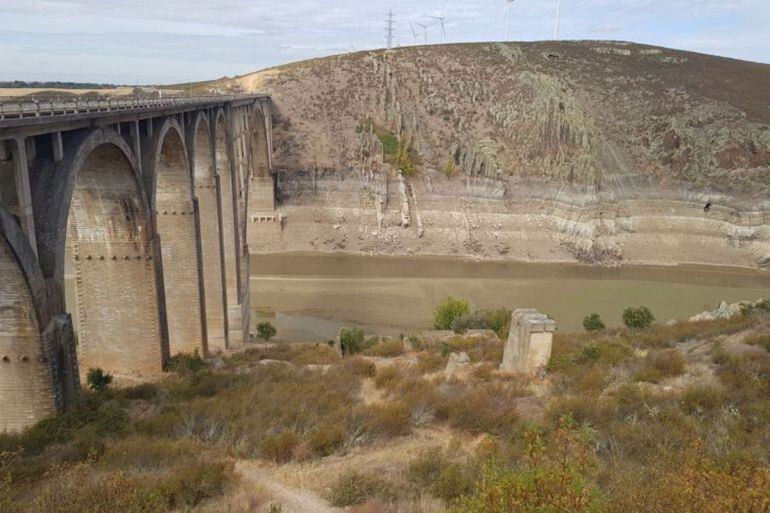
26, 383
172, 198
227, 188
105, 245
207, 190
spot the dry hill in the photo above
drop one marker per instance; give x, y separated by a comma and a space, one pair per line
577, 125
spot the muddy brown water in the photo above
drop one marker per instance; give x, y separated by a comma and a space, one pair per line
309, 296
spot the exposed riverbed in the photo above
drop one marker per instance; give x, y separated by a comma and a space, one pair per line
309, 296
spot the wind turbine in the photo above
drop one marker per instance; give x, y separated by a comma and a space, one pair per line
508, 20
441, 21
414, 32
557, 20
425, 30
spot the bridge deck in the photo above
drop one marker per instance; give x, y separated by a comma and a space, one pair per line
26, 113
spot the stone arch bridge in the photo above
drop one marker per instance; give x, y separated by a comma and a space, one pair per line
123, 237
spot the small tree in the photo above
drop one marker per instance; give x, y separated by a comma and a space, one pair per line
352, 340
404, 160
593, 322
638, 318
448, 310
98, 380
184, 363
449, 168
266, 330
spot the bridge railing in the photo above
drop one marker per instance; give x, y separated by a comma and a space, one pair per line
36, 108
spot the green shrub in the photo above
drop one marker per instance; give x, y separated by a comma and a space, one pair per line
499, 321
448, 310
470, 321
481, 408
184, 363
326, 439
423, 471
454, 480
142, 453
638, 318
609, 353
430, 362
389, 420
352, 340
178, 488
387, 349
387, 377
660, 364
144, 392
701, 399
266, 330
98, 380
450, 168
280, 447
554, 477
362, 367
110, 418
355, 488
407, 157
593, 322
759, 339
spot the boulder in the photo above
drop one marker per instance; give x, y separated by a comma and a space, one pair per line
457, 363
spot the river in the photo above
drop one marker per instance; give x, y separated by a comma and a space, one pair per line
309, 296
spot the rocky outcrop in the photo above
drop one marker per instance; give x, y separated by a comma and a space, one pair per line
457, 363
727, 310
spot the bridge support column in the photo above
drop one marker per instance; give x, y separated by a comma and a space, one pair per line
58, 147
23, 194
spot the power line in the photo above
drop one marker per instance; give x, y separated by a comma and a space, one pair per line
544, 14
612, 15
642, 22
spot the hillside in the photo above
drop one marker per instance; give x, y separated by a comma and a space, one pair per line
589, 112
598, 152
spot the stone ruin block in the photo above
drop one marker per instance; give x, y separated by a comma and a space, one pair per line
528, 348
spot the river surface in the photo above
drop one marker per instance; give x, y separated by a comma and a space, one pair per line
310, 296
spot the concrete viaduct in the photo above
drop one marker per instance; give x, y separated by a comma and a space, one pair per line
123, 237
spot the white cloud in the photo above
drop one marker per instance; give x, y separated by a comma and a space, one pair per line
174, 40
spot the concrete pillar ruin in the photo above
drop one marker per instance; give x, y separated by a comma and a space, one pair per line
528, 348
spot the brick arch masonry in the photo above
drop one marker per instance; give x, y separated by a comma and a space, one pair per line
115, 299
175, 214
109, 191
206, 182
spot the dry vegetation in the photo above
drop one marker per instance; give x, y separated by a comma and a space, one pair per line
571, 112
672, 418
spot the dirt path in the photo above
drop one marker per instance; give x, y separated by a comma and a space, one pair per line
293, 500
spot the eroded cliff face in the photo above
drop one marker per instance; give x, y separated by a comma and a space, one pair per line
509, 218
597, 152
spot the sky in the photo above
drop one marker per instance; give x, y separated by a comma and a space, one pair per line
169, 41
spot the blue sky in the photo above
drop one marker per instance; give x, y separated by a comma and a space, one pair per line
141, 41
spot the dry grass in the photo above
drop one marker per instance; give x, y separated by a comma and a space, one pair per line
423, 436
387, 349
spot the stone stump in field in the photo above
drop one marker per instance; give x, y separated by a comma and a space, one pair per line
528, 348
